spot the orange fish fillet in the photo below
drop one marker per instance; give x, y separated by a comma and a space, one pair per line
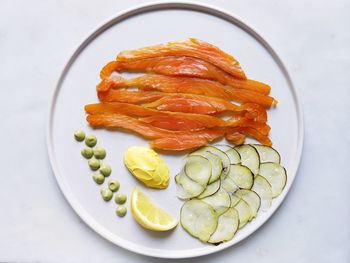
171, 120
190, 48
184, 67
186, 85
171, 140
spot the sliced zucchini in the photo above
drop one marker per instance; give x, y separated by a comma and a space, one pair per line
228, 224
241, 176
198, 169
210, 189
267, 154
216, 164
249, 157
199, 219
234, 156
276, 175
187, 188
234, 199
263, 188
220, 201
224, 158
229, 185
252, 199
244, 212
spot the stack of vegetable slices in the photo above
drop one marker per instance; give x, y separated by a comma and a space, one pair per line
179, 102
225, 187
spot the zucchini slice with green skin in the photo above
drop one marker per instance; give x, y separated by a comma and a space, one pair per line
198, 168
244, 213
276, 175
216, 164
228, 224
198, 219
267, 154
234, 156
186, 188
229, 185
224, 158
242, 176
210, 189
263, 188
252, 199
220, 201
249, 157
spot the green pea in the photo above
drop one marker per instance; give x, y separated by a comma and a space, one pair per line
94, 164
113, 185
90, 141
106, 194
79, 135
87, 152
98, 178
99, 152
121, 211
105, 170
120, 199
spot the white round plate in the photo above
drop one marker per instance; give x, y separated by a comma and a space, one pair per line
142, 26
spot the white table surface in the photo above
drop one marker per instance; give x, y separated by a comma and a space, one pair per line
38, 225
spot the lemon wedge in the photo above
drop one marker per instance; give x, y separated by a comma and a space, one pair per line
149, 215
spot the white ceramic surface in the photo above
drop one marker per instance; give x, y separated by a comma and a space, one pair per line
136, 28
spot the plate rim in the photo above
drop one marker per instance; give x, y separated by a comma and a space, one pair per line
120, 16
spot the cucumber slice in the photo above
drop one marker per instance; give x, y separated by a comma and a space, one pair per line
224, 158
267, 154
234, 156
249, 157
210, 189
187, 188
228, 224
199, 219
198, 169
244, 213
276, 175
229, 185
263, 188
216, 164
223, 147
220, 201
241, 176
252, 199
234, 199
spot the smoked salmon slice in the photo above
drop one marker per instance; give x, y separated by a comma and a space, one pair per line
186, 85
171, 120
190, 48
135, 97
171, 140
231, 134
183, 67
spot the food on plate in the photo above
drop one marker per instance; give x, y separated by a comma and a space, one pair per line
190, 48
224, 188
106, 194
191, 93
94, 164
87, 152
186, 85
79, 135
121, 211
99, 152
149, 215
90, 140
120, 199
146, 166
105, 169
113, 185
98, 178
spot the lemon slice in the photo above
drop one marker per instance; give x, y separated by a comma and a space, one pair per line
149, 215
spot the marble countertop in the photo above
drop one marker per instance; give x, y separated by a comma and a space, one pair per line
38, 225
